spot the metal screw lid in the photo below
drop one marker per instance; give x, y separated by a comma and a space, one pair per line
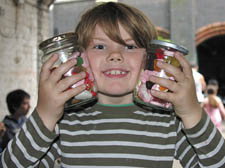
170, 45
69, 37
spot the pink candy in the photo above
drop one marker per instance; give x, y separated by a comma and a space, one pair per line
145, 93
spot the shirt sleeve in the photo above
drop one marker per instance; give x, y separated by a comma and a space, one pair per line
29, 145
201, 146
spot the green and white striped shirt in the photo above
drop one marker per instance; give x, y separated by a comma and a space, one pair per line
115, 136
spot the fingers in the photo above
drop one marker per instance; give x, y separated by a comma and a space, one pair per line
183, 79
74, 55
162, 95
56, 75
69, 81
184, 64
58, 81
167, 83
66, 95
83, 54
61, 70
176, 72
172, 70
171, 85
47, 66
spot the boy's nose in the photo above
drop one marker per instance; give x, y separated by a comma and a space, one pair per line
115, 57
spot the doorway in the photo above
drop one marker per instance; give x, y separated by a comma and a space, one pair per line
211, 59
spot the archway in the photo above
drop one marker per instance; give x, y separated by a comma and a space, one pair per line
210, 42
209, 31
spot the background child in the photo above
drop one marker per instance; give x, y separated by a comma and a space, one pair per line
213, 105
18, 103
115, 132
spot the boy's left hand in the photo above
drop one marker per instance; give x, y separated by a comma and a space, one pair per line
182, 91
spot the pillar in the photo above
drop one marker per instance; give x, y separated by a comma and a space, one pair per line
182, 25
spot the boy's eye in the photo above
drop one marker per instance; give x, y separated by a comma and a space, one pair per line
100, 47
130, 47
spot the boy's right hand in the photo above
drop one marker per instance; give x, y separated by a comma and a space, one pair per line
53, 90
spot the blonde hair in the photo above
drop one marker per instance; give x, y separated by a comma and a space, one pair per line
109, 16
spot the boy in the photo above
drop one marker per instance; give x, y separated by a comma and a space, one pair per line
115, 132
18, 103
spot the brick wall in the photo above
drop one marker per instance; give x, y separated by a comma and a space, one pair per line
23, 26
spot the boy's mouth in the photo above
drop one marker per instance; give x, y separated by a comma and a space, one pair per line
115, 73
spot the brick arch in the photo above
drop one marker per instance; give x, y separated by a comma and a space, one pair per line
163, 32
208, 31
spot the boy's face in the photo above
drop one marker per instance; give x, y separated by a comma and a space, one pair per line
24, 107
116, 67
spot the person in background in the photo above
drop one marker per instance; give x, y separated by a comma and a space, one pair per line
200, 83
18, 103
213, 105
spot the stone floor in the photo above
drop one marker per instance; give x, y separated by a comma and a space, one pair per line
176, 163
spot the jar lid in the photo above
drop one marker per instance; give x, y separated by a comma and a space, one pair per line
170, 45
70, 36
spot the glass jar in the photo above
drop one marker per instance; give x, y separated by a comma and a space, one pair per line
159, 51
66, 47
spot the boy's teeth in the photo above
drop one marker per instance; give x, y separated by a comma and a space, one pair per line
115, 72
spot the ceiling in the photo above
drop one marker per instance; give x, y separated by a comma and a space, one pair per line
64, 1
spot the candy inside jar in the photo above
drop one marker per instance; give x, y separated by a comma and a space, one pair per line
66, 47
90, 92
159, 51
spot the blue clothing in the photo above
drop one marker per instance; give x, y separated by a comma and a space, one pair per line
12, 127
